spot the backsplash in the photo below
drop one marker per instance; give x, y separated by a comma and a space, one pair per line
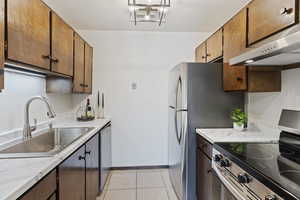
265, 108
18, 89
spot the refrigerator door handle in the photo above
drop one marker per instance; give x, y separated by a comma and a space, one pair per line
184, 163
176, 129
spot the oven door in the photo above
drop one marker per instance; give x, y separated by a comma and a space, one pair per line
221, 192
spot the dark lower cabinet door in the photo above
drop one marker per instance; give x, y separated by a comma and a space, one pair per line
72, 177
204, 177
92, 168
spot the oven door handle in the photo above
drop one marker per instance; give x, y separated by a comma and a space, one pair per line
228, 185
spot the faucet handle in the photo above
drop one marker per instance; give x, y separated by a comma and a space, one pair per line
33, 128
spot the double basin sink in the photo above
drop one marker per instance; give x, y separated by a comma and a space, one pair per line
46, 143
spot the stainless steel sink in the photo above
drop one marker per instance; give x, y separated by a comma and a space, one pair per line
44, 144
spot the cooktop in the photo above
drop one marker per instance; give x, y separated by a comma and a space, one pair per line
275, 165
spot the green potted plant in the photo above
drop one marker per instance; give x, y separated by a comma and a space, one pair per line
239, 118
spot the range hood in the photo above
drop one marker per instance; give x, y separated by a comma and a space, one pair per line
281, 52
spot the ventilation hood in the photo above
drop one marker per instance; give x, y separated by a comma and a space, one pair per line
281, 52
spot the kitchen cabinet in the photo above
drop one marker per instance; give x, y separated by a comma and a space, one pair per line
43, 190
92, 153
234, 77
200, 53
28, 32
214, 46
2, 54
72, 176
62, 46
266, 17
88, 69
205, 186
79, 56
106, 155
242, 78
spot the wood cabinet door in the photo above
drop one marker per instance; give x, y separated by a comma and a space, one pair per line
43, 190
62, 46
234, 77
2, 57
72, 176
200, 53
214, 46
78, 79
204, 177
266, 17
92, 168
28, 32
88, 75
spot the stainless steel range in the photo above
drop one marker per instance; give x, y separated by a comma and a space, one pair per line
261, 171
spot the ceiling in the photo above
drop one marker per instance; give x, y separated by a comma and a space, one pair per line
183, 16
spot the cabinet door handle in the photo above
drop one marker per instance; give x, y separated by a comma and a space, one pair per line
82, 85
208, 55
54, 60
81, 158
209, 171
48, 57
86, 85
286, 11
239, 79
88, 152
203, 57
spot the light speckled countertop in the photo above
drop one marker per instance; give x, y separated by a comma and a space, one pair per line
231, 135
19, 175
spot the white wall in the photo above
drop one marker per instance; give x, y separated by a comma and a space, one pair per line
18, 89
265, 108
139, 116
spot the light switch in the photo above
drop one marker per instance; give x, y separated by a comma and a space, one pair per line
133, 86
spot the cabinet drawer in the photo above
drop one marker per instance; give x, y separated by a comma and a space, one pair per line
42, 190
204, 146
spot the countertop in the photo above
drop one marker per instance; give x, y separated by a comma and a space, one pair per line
19, 175
231, 135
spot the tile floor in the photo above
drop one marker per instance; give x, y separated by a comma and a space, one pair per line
138, 185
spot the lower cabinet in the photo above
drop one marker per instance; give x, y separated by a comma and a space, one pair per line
204, 176
92, 168
72, 177
43, 190
79, 174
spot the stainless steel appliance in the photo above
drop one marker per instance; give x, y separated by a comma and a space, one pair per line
279, 52
106, 154
264, 171
196, 100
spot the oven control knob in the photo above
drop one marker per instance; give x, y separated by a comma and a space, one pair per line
270, 197
225, 163
243, 178
218, 158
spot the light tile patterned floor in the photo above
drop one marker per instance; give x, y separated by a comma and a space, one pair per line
138, 185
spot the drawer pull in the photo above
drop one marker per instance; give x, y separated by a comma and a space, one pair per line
88, 152
239, 79
46, 57
54, 60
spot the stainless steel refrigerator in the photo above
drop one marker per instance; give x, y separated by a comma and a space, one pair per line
196, 100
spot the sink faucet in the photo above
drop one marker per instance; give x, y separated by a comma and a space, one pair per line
27, 128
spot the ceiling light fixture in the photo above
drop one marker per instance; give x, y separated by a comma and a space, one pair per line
148, 10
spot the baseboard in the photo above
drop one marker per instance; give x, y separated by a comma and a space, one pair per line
141, 167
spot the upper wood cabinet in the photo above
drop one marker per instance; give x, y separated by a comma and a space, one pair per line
2, 57
266, 17
28, 32
79, 56
88, 78
234, 77
62, 46
214, 46
200, 53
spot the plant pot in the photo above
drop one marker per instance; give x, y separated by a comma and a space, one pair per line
238, 127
